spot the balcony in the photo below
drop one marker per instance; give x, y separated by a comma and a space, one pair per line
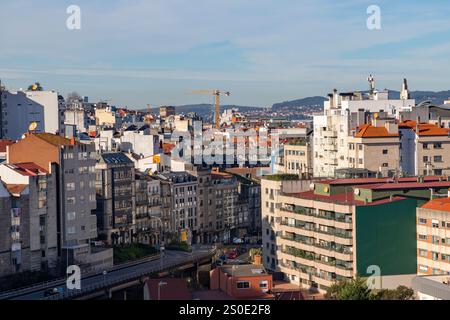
299, 253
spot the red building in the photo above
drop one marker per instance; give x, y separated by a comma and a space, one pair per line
242, 281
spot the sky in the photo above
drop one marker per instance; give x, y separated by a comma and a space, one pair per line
139, 52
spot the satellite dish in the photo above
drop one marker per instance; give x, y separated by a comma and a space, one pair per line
312, 186
33, 126
357, 192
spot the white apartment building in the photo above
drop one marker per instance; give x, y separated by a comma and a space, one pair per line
20, 108
344, 112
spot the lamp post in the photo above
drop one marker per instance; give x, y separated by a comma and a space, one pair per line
160, 284
160, 241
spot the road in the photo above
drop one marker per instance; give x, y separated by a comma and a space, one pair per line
99, 281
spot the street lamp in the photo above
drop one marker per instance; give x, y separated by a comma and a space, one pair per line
160, 241
160, 284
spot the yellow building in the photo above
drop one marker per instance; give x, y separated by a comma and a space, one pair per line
105, 117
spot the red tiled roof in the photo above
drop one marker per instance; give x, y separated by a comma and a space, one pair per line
438, 204
168, 147
54, 139
4, 144
360, 181
425, 129
409, 185
16, 189
344, 198
27, 168
369, 131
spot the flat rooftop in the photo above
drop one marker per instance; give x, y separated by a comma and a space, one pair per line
246, 270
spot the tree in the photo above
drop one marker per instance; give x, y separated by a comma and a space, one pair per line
355, 289
400, 293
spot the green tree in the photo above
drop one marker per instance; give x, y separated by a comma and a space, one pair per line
400, 293
355, 289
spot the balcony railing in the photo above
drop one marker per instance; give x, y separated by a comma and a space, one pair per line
304, 212
339, 234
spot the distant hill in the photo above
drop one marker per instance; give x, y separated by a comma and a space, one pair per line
305, 102
204, 110
316, 102
308, 105
437, 98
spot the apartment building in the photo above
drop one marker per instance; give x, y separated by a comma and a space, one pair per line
242, 282
424, 148
28, 209
343, 112
207, 213
105, 117
115, 188
183, 191
167, 215
331, 232
375, 148
298, 157
20, 108
148, 225
75, 171
433, 237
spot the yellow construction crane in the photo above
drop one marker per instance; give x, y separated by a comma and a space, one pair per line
216, 93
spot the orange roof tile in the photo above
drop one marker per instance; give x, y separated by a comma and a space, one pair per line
425, 129
16, 189
369, 131
168, 147
4, 144
438, 204
54, 139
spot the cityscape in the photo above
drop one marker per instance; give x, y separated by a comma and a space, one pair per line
229, 190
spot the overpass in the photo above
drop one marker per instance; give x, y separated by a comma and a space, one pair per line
116, 278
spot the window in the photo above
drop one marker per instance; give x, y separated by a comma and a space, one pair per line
422, 221
425, 145
385, 151
437, 158
423, 237
435, 256
435, 223
423, 253
437, 145
423, 268
385, 165
425, 158
71, 216
71, 200
243, 285
71, 230
70, 186
435, 239
264, 284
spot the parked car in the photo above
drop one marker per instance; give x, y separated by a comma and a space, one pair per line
238, 241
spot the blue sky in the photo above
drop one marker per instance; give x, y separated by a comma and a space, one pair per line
136, 52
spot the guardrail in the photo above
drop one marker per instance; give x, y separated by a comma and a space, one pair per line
105, 283
125, 278
57, 282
